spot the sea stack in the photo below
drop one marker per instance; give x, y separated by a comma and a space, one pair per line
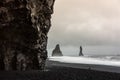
81, 53
57, 51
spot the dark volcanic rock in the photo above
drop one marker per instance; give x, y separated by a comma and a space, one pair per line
57, 51
81, 53
24, 25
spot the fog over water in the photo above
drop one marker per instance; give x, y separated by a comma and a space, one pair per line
94, 24
90, 51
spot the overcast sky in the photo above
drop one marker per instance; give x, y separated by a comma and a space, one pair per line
85, 22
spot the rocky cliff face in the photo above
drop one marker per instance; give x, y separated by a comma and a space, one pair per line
24, 25
57, 51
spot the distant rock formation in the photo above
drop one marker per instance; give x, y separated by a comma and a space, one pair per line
57, 51
81, 53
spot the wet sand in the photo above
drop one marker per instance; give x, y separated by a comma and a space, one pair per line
56, 72
85, 66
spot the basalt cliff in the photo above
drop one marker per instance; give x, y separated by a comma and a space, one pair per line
24, 25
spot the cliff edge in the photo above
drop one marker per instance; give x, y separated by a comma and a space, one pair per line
24, 25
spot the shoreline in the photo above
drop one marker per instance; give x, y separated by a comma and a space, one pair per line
53, 71
104, 68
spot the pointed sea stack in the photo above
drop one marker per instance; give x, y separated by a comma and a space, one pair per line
57, 51
81, 53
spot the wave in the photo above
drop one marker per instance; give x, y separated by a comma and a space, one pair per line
115, 57
99, 60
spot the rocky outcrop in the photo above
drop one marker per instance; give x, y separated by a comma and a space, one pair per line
81, 53
24, 25
57, 51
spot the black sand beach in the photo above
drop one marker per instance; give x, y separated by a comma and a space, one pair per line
59, 73
105, 68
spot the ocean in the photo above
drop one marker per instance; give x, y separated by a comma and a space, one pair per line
89, 50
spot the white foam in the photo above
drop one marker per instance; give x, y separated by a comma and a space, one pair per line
86, 60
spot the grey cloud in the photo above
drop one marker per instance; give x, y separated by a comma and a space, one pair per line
85, 22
